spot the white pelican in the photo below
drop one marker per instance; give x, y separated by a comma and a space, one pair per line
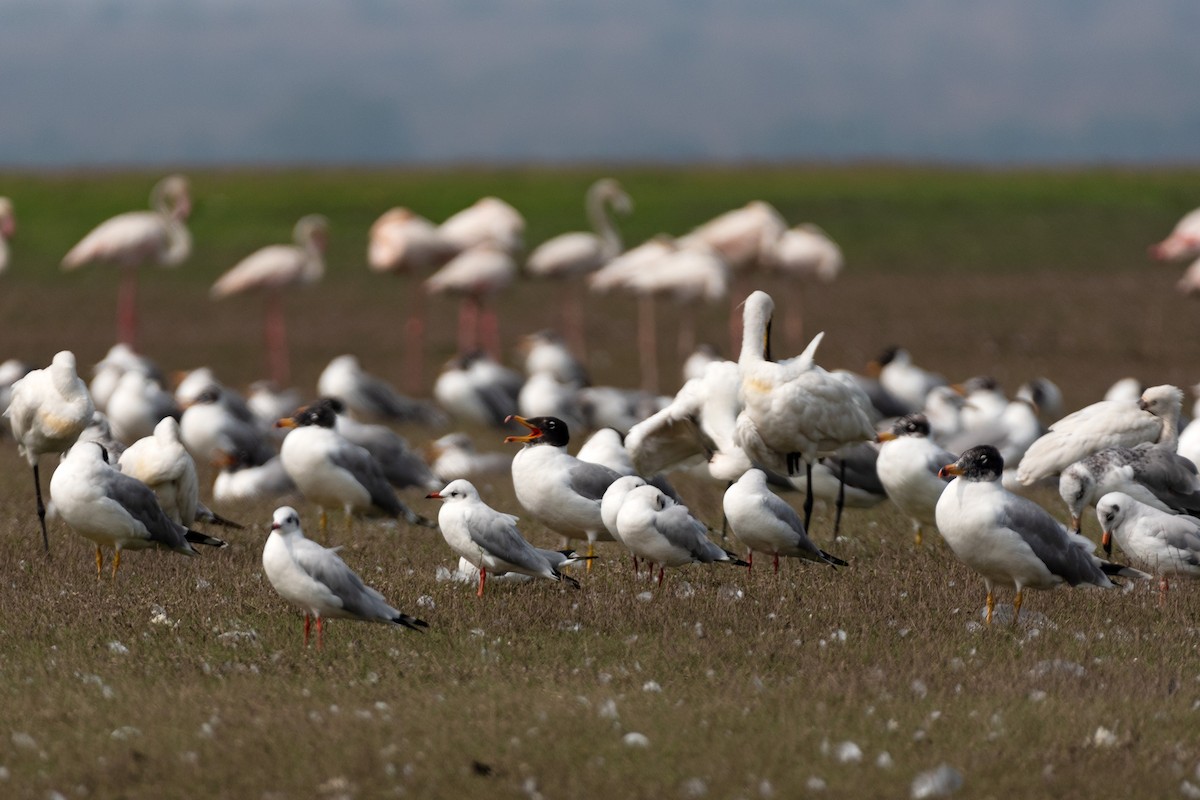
101, 503
1008, 539
135, 238
49, 409
273, 269
489, 539
316, 579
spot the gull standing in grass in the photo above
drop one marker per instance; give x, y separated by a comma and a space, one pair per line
1108, 423
908, 466
657, 529
316, 579
101, 503
369, 397
1009, 539
794, 411
333, 472
490, 540
555, 487
1150, 473
765, 523
49, 409
1169, 544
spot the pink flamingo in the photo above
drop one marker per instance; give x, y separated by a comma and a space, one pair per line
475, 275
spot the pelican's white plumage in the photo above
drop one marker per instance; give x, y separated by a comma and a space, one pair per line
1109, 423
489, 539
315, 579
47, 411
764, 522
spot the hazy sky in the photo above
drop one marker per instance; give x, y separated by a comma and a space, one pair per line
99, 82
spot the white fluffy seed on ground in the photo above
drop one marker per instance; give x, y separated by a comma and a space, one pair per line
943, 781
635, 739
848, 753
1103, 737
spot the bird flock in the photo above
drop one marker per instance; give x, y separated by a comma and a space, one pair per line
961, 461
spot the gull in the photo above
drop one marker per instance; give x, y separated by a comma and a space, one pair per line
477, 389
48, 410
1009, 539
401, 466
107, 372
273, 269
556, 488
765, 523
847, 478
316, 579
1151, 474
240, 480
333, 472
211, 426
163, 463
137, 405
657, 529
193, 383
112, 509
793, 411
1168, 544
455, 456
1108, 423
369, 397
905, 380
908, 466
135, 238
489, 539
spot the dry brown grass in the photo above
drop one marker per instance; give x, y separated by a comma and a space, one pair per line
744, 684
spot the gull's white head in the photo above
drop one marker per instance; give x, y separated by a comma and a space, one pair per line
285, 521
456, 491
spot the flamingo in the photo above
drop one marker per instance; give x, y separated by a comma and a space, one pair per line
406, 244
744, 237
489, 221
135, 238
803, 253
271, 270
8, 227
475, 275
1184, 241
686, 270
570, 255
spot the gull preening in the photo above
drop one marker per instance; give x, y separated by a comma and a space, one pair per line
315, 579
1150, 473
112, 509
1009, 539
489, 539
47, 411
135, 238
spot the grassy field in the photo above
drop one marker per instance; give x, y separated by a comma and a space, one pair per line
188, 678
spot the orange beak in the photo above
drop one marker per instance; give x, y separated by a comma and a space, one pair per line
433, 496
949, 470
535, 431
884, 436
286, 422
1106, 543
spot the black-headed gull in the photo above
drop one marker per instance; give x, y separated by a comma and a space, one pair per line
657, 529
1168, 544
101, 503
489, 539
908, 466
1108, 423
767, 524
903, 379
555, 487
368, 397
1009, 539
335, 473
401, 466
316, 579
49, 409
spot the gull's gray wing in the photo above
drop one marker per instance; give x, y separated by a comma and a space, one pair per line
590, 480
366, 470
1170, 477
497, 534
684, 531
1183, 533
326, 567
1048, 539
140, 502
